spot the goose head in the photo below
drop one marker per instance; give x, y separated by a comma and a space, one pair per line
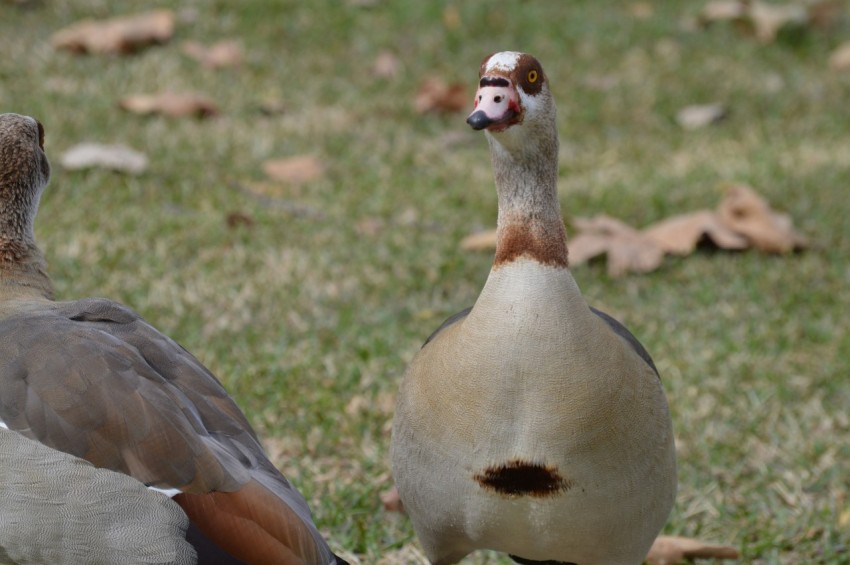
513, 104
24, 172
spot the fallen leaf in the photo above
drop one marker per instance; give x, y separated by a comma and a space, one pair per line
699, 116
722, 11
641, 10
826, 14
769, 19
173, 104
386, 65
628, 250
748, 214
295, 170
839, 60
122, 35
391, 500
115, 157
236, 219
227, 53
672, 550
763, 20
680, 235
435, 94
479, 241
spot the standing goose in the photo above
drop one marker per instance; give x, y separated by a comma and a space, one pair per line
532, 424
92, 379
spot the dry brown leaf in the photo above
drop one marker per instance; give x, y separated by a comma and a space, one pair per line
826, 14
391, 500
672, 550
227, 53
172, 104
479, 241
386, 65
722, 11
681, 234
762, 19
117, 35
748, 214
628, 250
839, 60
236, 219
114, 157
769, 19
295, 170
585, 246
435, 94
699, 116
641, 10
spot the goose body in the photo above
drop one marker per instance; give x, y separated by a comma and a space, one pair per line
92, 379
532, 424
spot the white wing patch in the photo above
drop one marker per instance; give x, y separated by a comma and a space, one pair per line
504, 61
169, 492
3, 425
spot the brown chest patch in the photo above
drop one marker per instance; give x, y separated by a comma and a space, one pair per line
522, 478
544, 243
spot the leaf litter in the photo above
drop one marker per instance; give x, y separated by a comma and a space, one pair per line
115, 157
122, 35
766, 20
171, 104
743, 220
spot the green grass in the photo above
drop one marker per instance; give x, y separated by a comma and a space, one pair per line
309, 321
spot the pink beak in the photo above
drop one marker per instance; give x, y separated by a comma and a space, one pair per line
496, 104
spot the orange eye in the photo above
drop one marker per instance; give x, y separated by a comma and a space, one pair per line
532, 76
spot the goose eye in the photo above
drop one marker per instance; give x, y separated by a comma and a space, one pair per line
532, 76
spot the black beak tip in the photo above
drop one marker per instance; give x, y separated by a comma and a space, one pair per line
478, 120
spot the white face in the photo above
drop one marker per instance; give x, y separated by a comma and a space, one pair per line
505, 61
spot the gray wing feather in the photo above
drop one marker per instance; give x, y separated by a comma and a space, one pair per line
56, 508
624, 333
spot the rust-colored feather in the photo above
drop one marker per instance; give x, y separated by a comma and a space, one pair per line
253, 525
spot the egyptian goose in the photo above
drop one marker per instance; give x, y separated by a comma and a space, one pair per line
94, 380
532, 424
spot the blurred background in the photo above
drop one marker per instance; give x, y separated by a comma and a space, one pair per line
301, 179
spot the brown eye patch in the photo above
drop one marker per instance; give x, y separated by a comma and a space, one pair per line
529, 74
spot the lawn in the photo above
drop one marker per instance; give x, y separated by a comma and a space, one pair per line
310, 305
